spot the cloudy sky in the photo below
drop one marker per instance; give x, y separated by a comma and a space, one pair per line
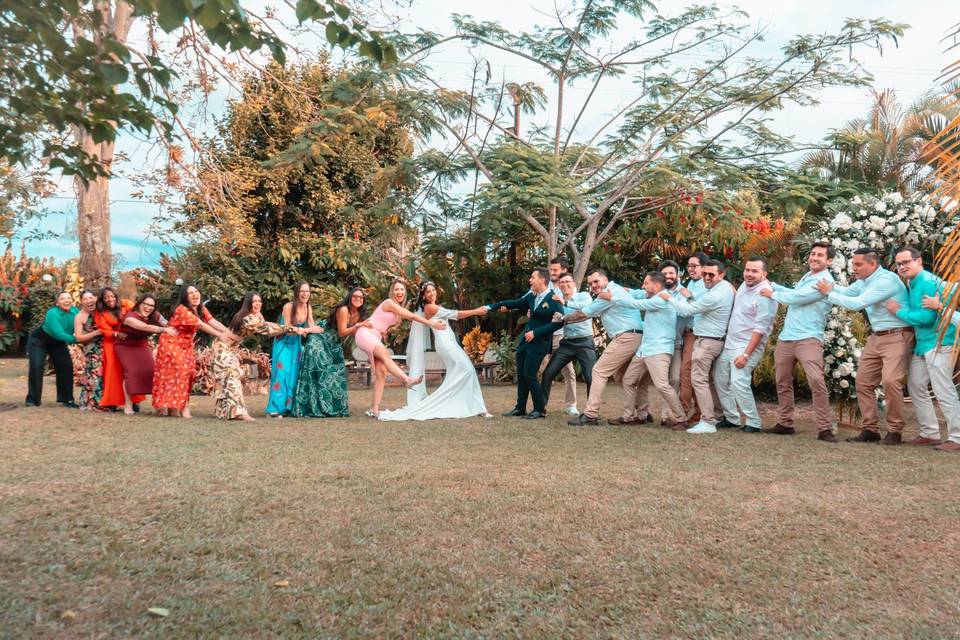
911, 69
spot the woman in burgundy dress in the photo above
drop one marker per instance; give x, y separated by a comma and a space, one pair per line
176, 360
135, 353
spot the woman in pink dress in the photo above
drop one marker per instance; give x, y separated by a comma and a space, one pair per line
390, 312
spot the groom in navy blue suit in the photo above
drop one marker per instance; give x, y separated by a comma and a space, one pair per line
535, 342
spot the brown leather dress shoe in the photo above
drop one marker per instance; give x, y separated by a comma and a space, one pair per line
865, 436
678, 426
826, 436
920, 441
949, 445
781, 430
892, 439
623, 421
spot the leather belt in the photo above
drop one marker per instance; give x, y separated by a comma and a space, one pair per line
640, 331
708, 337
887, 332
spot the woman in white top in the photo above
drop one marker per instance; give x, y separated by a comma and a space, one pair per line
459, 395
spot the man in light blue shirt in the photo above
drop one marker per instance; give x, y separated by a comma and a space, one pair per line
801, 340
932, 362
624, 325
711, 313
886, 356
652, 361
556, 267
577, 343
696, 288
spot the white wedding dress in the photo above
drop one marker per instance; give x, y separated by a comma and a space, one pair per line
459, 395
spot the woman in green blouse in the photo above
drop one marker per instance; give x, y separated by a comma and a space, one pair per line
51, 339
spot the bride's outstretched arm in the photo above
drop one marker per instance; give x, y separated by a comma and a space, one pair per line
406, 314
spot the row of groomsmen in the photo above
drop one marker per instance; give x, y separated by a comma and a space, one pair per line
698, 345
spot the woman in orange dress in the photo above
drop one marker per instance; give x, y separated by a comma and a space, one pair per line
107, 316
176, 363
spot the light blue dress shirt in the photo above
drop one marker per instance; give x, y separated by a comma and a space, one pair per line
710, 310
659, 322
807, 308
583, 329
616, 318
696, 288
870, 295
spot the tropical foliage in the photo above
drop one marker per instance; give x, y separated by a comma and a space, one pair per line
689, 126
266, 214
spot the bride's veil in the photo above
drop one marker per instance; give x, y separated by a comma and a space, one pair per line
416, 346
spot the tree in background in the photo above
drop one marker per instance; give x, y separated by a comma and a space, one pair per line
71, 79
270, 209
697, 124
888, 149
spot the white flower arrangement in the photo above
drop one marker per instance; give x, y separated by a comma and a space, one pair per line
841, 356
884, 223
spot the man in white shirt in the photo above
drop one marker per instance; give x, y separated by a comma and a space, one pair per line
751, 322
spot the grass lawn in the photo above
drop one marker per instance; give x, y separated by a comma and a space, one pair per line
471, 528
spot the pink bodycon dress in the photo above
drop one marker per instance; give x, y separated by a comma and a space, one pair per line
370, 339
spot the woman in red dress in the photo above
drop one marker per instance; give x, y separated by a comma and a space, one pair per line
107, 316
176, 361
134, 352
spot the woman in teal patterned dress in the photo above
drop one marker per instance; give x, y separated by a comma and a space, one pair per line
297, 319
322, 381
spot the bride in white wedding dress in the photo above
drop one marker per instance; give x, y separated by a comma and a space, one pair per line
459, 395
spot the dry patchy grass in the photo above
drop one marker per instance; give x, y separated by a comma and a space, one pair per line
470, 528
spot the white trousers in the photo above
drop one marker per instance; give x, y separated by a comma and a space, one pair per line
935, 369
735, 387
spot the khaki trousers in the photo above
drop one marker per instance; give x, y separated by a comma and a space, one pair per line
705, 352
884, 361
809, 353
687, 398
654, 370
569, 375
618, 354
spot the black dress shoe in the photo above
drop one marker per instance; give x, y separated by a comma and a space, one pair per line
29, 403
533, 415
647, 420
70, 404
136, 407
723, 423
826, 436
780, 430
583, 419
514, 413
748, 429
865, 436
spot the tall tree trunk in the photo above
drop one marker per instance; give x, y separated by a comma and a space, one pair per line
93, 231
93, 198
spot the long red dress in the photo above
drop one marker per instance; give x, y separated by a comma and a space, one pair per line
176, 363
109, 325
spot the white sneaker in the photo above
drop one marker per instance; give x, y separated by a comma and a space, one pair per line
572, 410
702, 427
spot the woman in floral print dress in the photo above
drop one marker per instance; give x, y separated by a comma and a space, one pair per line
226, 368
87, 334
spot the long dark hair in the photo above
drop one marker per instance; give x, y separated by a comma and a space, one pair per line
154, 317
295, 301
332, 318
418, 305
246, 308
182, 300
102, 303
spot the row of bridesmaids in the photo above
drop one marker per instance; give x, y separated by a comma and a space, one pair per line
308, 376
